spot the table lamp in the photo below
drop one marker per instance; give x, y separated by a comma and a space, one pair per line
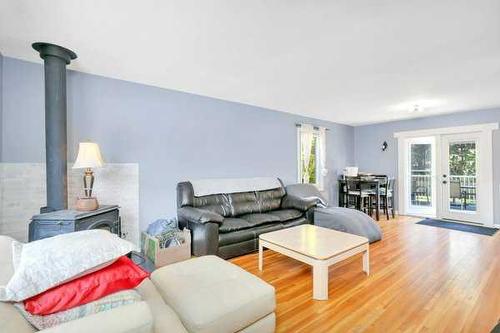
89, 156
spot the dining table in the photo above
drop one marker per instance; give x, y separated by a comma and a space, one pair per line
371, 182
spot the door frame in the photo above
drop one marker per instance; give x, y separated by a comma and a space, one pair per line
486, 132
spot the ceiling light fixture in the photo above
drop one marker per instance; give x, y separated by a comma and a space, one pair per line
418, 105
416, 108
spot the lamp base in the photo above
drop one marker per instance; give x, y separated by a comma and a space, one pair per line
87, 204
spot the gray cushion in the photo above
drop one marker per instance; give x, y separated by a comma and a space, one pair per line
259, 219
247, 221
270, 200
287, 214
233, 224
296, 222
348, 220
236, 236
232, 204
267, 228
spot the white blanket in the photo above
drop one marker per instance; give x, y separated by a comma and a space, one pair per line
233, 185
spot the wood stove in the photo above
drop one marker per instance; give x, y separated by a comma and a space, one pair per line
68, 220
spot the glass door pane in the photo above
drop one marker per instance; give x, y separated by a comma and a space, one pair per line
421, 174
462, 158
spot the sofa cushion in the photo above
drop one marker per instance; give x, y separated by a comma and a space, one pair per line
233, 224
254, 202
235, 204
293, 223
236, 236
259, 219
270, 200
165, 319
267, 228
213, 295
287, 214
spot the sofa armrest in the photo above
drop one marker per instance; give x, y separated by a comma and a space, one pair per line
198, 215
303, 204
138, 320
204, 226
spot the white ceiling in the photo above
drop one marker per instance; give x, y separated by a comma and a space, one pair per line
348, 61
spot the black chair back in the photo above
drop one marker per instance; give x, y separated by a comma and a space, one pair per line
352, 184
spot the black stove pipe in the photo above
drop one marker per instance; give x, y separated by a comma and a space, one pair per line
55, 60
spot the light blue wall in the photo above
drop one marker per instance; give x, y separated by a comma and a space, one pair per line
368, 140
172, 135
1, 104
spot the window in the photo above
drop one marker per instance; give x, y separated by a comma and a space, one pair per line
311, 155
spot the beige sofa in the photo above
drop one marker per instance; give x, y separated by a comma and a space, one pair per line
202, 295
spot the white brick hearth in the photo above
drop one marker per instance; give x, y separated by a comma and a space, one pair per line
22, 193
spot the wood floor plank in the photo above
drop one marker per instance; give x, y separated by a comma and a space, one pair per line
423, 279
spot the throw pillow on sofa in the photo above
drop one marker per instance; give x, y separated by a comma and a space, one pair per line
121, 275
49, 262
107, 303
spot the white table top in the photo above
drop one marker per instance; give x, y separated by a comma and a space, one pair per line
313, 241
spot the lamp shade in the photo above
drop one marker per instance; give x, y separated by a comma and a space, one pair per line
89, 156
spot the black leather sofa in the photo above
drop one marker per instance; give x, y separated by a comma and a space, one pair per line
229, 224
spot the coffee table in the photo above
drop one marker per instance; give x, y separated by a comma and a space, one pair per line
316, 246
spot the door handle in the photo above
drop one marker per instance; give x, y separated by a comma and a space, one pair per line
444, 176
445, 182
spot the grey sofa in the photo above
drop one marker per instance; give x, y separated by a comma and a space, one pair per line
229, 224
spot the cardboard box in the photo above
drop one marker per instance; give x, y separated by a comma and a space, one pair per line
160, 257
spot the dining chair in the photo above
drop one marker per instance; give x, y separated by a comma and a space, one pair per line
358, 192
342, 189
387, 197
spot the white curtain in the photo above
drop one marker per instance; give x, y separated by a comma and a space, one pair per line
306, 140
322, 157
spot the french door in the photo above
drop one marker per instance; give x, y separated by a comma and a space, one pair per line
447, 175
461, 177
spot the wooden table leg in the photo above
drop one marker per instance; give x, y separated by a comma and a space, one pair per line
320, 281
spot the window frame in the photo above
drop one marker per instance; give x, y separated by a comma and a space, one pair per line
316, 134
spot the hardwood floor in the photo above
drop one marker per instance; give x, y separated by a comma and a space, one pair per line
423, 279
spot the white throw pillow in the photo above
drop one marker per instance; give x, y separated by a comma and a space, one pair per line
49, 262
